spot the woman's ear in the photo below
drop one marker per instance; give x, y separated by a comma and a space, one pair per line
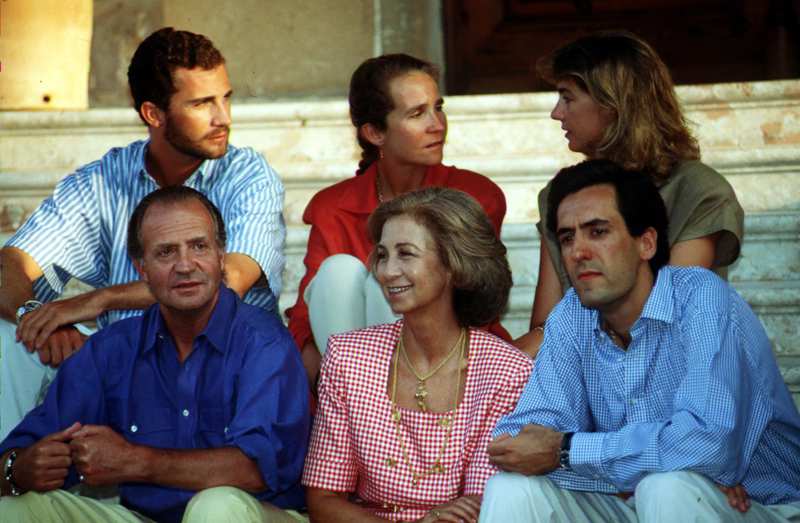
372, 134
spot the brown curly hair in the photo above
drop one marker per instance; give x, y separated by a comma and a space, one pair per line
153, 62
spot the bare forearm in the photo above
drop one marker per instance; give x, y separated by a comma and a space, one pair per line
17, 274
197, 469
242, 273
133, 295
332, 507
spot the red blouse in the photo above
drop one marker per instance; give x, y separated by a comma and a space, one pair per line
338, 218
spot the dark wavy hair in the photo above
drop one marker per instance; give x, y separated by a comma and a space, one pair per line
370, 99
153, 62
467, 247
170, 196
624, 75
638, 200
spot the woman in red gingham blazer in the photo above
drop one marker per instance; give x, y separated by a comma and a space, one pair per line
406, 410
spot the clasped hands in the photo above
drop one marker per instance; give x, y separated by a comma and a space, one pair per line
99, 454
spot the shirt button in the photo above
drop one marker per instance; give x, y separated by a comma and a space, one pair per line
185, 413
134, 428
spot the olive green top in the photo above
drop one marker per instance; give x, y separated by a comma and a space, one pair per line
699, 202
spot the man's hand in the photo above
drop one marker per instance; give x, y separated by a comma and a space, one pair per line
532, 452
102, 456
737, 497
37, 326
43, 466
60, 345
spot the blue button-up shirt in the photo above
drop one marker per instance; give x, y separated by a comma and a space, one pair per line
81, 231
243, 385
697, 389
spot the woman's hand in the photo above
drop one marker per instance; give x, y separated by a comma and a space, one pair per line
464, 509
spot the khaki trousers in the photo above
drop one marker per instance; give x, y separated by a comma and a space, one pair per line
214, 505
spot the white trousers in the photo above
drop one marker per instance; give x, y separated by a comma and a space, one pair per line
663, 497
344, 296
23, 379
213, 505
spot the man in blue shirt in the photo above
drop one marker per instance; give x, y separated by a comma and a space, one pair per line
656, 396
200, 400
181, 91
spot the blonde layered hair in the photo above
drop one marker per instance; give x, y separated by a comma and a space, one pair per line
467, 246
623, 74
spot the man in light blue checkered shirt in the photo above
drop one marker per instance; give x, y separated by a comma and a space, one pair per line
181, 91
655, 396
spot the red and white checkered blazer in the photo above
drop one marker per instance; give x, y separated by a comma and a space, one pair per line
354, 445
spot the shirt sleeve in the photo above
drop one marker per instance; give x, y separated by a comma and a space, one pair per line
501, 403
76, 394
63, 235
330, 463
701, 202
272, 416
718, 414
254, 217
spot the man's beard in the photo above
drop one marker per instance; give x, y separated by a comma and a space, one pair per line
193, 148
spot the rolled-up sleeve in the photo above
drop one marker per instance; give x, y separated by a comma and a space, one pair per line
63, 235
271, 417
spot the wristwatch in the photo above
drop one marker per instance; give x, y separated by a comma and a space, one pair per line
8, 471
25, 308
563, 454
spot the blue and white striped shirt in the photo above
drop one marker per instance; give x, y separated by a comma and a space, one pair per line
81, 230
697, 389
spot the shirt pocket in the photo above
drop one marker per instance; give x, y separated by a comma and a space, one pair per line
152, 426
212, 427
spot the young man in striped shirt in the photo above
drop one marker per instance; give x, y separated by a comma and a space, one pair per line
181, 91
655, 396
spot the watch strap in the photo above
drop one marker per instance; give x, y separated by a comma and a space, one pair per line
8, 473
563, 454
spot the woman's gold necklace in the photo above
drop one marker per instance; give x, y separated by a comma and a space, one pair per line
446, 422
422, 391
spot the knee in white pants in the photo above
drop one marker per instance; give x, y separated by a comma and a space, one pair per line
514, 497
678, 494
220, 504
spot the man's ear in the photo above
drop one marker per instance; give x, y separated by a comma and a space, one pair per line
153, 115
372, 134
648, 244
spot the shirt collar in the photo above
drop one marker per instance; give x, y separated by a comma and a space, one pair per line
216, 331
362, 196
659, 305
203, 171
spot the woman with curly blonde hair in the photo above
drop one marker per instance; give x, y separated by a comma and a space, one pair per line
617, 102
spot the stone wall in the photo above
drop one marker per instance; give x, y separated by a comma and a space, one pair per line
275, 49
749, 132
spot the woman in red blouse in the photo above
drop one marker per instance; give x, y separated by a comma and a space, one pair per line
406, 409
401, 127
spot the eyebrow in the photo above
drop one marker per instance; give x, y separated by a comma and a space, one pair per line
209, 98
585, 225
